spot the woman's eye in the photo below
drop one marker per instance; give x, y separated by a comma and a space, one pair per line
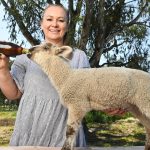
49, 19
61, 20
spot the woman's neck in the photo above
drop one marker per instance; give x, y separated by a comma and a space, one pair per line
56, 43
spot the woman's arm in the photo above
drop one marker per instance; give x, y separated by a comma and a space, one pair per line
7, 84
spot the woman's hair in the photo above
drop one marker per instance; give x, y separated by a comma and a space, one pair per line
67, 16
57, 5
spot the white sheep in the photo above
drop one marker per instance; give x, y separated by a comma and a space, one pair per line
83, 90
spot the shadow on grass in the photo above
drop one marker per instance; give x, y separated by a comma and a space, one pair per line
108, 139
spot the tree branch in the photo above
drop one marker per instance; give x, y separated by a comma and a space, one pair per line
115, 63
74, 14
86, 23
15, 13
105, 50
137, 17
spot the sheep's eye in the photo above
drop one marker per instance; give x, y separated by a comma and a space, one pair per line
46, 48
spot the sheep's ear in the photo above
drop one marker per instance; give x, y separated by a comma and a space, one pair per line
65, 51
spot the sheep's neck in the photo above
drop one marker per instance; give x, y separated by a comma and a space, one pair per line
58, 71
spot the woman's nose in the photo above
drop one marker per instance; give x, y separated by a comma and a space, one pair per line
54, 23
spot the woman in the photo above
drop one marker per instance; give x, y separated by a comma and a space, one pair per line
41, 119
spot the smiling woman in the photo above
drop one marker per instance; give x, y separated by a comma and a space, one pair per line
41, 118
55, 24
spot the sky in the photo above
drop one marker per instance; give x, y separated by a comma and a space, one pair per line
4, 32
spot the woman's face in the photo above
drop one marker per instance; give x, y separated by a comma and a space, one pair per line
54, 24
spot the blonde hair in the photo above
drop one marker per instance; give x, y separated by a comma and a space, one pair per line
67, 16
57, 5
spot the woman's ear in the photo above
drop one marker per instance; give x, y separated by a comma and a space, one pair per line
41, 27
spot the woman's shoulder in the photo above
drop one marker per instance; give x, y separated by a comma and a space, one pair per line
79, 59
78, 53
77, 50
21, 59
22, 56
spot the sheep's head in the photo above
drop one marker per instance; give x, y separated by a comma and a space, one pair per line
47, 50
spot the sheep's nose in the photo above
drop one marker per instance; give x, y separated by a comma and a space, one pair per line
29, 55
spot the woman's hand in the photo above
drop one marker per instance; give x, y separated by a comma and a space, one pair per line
4, 63
118, 112
7, 84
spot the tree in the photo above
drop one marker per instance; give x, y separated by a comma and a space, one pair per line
116, 29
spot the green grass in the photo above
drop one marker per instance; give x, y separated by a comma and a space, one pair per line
7, 119
5, 134
7, 114
122, 132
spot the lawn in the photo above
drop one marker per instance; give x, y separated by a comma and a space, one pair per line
7, 119
5, 134
123, 132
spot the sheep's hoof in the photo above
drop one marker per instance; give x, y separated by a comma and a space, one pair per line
147, 147
66, 148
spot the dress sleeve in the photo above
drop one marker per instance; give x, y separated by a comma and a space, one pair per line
18, 70
79, 59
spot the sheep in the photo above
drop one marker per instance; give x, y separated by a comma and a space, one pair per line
83, 90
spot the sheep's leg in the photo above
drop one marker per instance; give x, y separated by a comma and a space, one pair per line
70, 134
145, 121
75, 116
147, 144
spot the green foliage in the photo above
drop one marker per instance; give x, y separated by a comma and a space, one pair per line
2, 98
115, 28
101, 117
135, 31
8, 114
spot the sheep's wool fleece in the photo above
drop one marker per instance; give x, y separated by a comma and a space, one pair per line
41, 119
